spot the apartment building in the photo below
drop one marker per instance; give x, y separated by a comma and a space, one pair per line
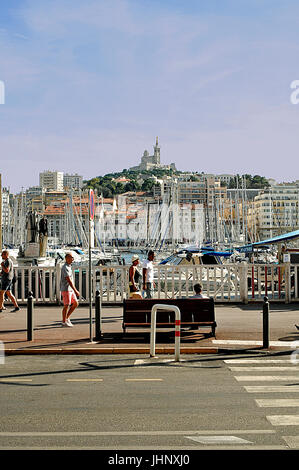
72, 181
205, 191
190, 188
276, 210
51, 180
7, 216
6, 209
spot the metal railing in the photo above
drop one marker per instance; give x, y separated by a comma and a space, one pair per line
225, 283
177, 312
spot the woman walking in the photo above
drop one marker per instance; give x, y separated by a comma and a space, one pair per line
134, 277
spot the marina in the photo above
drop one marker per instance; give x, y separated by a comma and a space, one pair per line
226, 283
243, 274
210, 244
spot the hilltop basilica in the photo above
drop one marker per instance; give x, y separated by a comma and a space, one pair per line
150, 162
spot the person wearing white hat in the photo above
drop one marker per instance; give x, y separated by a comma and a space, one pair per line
134, 276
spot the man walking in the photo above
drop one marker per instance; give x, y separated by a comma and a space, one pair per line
7, 273
68, 291
148, 275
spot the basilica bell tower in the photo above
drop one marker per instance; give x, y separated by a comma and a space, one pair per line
156, 153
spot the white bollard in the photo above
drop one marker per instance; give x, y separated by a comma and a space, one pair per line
175, 309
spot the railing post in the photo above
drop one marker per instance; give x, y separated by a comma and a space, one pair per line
243, 271
266, 323
98, 308
57, 276
30, 316
287, 284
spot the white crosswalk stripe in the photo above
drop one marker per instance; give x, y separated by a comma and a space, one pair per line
278, 402
272, 388
283, 367
284, 420
219, 440
257, 361
264, 368
267, 378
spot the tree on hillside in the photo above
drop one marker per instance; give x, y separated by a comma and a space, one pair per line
249, 182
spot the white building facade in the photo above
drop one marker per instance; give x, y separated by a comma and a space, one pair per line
72, 181
276, 210
51, 180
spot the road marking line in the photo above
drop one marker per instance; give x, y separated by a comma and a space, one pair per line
136, 433
263, 368
280, 402
176, 448
291, 344
256, 378
84, 380
257, 361
144, 380
15, 380
284, 420
219, 440
272, 389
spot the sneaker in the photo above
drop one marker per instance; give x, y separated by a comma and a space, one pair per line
64, 325
69, 323
16, 309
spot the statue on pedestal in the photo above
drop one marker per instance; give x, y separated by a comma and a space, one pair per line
43, 236
31, 226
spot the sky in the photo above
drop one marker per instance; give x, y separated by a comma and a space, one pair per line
88, 86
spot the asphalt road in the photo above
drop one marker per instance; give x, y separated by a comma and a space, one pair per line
133, 402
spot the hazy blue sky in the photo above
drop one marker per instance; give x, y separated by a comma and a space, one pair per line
90, 84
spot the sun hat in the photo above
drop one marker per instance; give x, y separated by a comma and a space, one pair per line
134, 258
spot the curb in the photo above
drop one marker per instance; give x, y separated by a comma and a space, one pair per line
115, 350
128, 350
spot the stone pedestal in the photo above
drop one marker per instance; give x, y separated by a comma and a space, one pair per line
43, 241
32, 250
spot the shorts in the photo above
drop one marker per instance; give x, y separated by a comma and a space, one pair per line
68, 297
6, 284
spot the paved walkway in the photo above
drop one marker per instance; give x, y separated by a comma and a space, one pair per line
239, 327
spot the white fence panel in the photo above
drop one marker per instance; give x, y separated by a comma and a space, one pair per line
225, 283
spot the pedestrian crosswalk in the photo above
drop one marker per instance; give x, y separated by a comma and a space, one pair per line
266, 372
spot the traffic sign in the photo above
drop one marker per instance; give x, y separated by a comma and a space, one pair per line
91, 204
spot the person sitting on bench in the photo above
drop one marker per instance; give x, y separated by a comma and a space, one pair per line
198, 295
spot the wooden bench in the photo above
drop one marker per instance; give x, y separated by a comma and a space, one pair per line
194, 313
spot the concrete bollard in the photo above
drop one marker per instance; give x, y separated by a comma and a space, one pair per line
266, 323
98, 308
30, 316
